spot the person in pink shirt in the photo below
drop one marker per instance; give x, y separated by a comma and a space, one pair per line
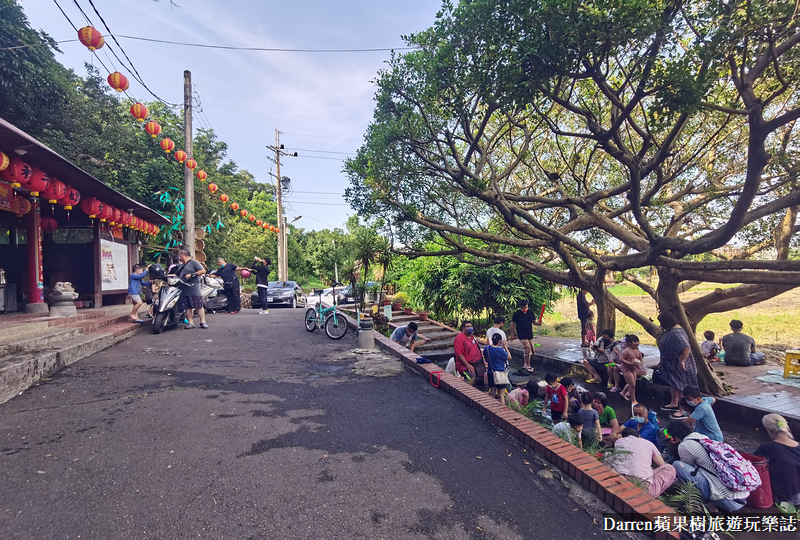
469, 360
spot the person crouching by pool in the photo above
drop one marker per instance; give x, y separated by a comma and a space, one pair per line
406, 336
556, 396
641, 422
469, 360
496, 357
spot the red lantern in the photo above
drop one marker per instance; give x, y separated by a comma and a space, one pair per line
55, 191
212, 188
265, 226
224, 198
277, 230
124, 219
252, 218
201, 175
167, 145
72, 198
106, 213
24, 206
234, 206
259, 222
136, 223
37, 182
180, 155
49, 224
139, 112
191, 164
152, 128
92, 207
243, 213
118, 81
91, 38
16, 173
117, 217
4, 161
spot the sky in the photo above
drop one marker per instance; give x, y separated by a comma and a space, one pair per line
321, 102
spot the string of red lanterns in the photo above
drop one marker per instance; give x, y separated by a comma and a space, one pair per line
93, 39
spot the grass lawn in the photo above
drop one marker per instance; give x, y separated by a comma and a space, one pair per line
773, 324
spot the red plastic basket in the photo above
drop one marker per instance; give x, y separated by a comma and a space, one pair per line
761, 497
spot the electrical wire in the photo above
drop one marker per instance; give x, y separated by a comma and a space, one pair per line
321, 151
133, 69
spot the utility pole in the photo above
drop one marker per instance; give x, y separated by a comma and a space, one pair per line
283, 266
188, 174
284, 230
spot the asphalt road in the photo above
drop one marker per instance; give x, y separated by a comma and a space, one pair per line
256, 428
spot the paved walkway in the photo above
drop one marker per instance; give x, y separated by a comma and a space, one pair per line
752, 398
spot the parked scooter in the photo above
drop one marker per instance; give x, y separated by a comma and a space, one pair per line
167, 305
211, 290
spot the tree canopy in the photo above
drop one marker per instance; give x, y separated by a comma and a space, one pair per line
577, 138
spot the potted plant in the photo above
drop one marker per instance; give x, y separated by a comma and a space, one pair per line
423, 315
400, 299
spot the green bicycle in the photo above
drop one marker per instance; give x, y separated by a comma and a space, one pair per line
335, 323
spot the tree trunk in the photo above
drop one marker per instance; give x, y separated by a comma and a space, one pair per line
669, 301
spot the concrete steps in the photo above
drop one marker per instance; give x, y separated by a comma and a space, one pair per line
34, 350
45, 340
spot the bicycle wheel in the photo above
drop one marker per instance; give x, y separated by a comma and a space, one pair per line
311, 319
335, 325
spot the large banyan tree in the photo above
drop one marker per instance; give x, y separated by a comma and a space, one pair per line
576, 138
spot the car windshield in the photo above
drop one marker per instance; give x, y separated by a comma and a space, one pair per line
281, 284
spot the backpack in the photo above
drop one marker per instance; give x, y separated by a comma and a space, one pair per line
734, 471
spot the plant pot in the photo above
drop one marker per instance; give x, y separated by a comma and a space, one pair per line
408, 311
386, 302
397, 307
423, 316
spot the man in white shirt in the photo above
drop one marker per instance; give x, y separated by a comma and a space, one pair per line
499, 321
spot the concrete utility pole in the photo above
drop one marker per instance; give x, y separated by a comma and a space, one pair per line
283, 260
188, 174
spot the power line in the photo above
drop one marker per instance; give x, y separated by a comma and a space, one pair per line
321, 137
321, 151
267, 49
320, 157
138, 77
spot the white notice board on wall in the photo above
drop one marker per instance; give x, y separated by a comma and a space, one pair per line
113, 265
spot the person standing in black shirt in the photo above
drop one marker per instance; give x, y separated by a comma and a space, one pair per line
583, 315
261, 268
230, 284
522, 327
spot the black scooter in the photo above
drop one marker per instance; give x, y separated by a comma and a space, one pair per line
167, 309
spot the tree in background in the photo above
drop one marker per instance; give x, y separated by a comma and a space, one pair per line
574, 138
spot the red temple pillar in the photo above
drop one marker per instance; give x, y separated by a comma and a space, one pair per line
35, 266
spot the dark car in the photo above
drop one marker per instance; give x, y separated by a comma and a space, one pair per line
280, 293
346, 295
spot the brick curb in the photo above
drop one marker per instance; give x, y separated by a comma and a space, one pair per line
616, 491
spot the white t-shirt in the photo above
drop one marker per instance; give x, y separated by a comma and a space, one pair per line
492, 331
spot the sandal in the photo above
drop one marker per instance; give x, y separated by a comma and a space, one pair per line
137, 321
669, 408
677, 416
593, 381
615, 389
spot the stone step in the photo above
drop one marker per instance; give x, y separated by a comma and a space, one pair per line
437, 334
19, 372
436, 344
44, 340
440, 356
90, 325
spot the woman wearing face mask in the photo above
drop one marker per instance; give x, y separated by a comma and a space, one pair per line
469, 360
